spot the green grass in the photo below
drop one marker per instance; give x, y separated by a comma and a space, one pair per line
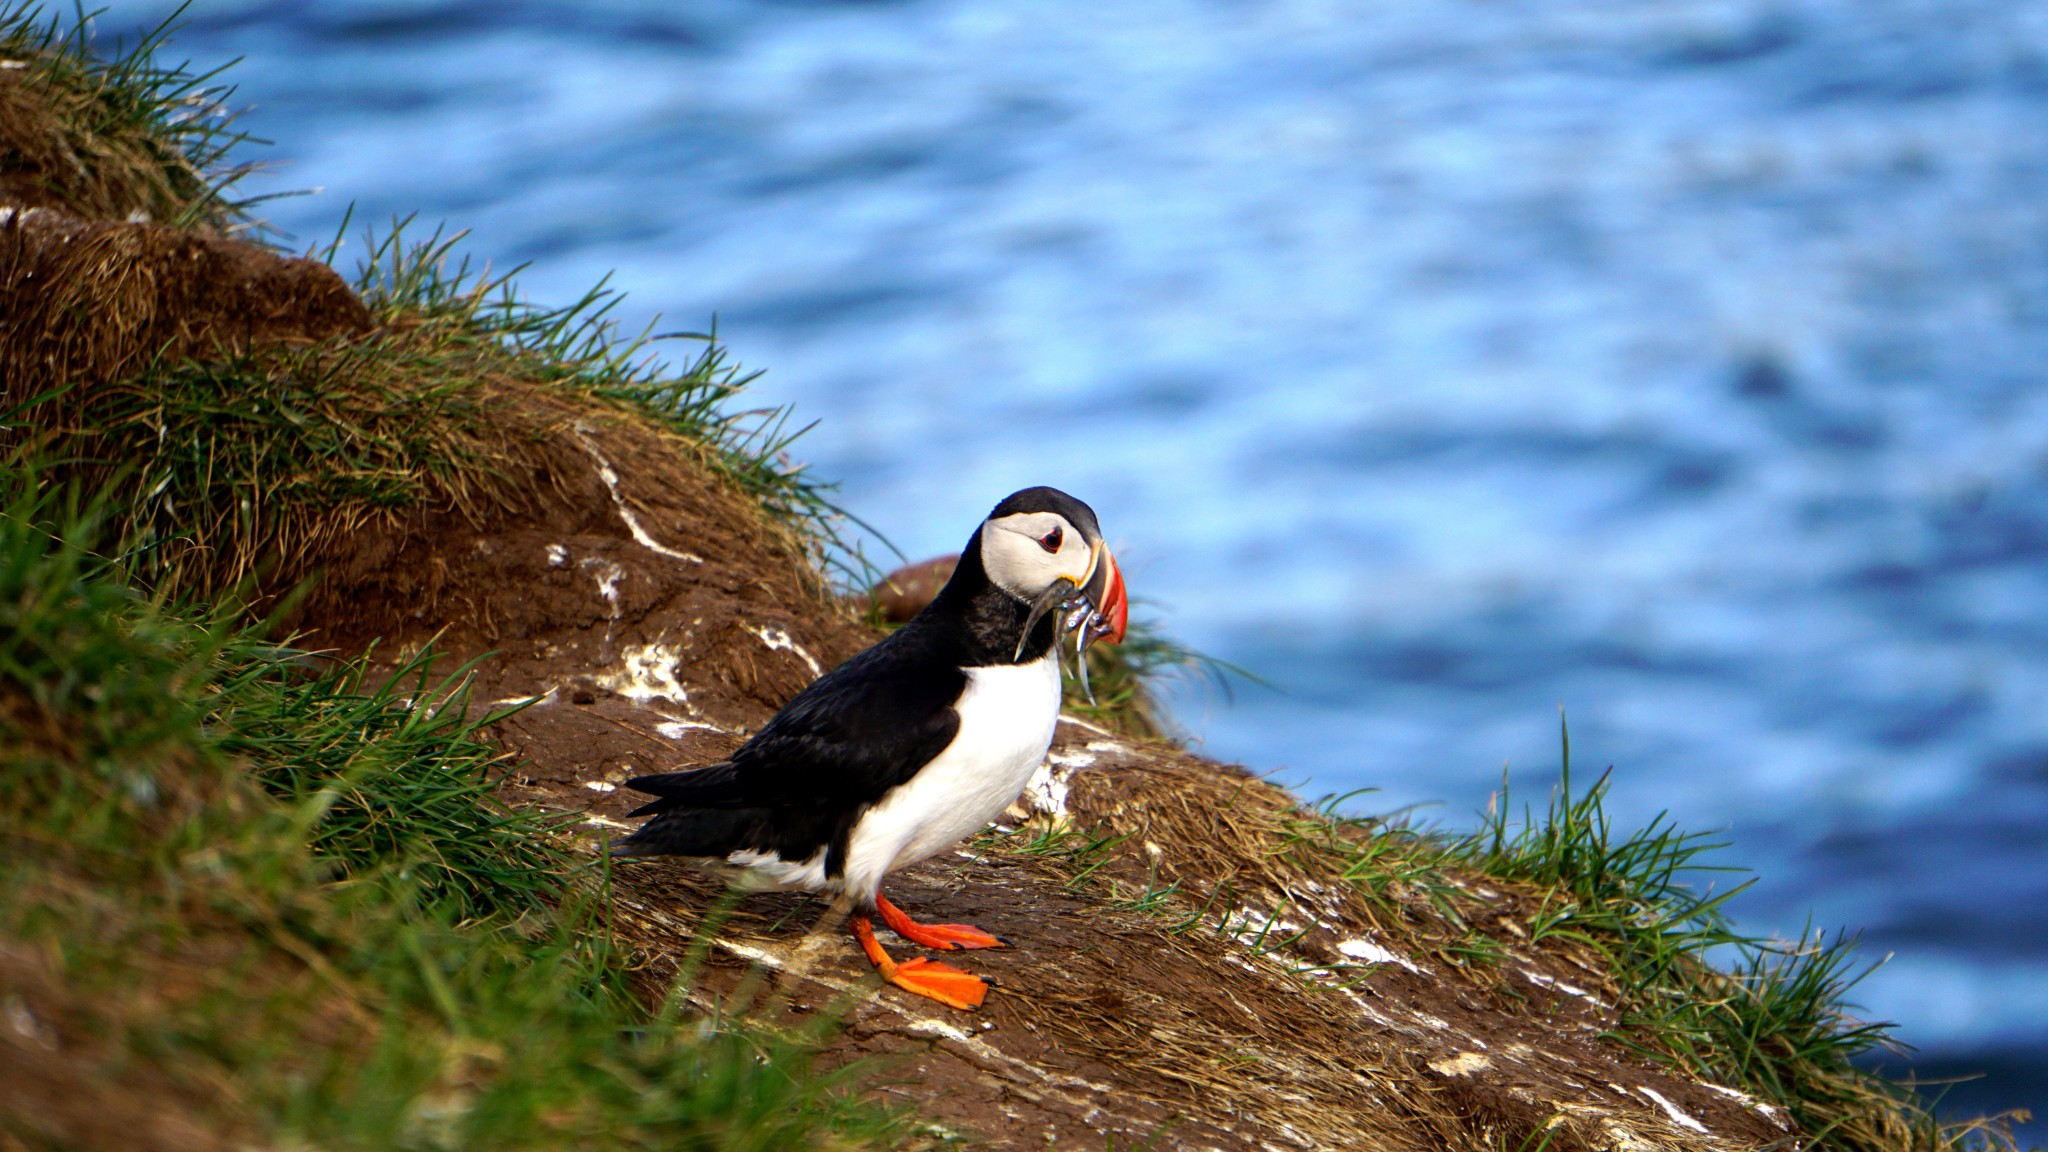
1083, 854
270, 462
398, 777
1770, 1017
285, 899
483, 323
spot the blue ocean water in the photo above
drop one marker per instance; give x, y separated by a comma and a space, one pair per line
1680, 362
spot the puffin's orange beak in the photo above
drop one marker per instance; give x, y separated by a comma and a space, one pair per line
1105, 590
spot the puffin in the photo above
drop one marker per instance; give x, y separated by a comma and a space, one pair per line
912, 745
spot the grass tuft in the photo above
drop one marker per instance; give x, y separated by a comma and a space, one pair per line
397, 776
272, 461
1768, 1016
1636, 911
426, 285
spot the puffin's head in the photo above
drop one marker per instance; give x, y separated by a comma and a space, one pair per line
1044, 547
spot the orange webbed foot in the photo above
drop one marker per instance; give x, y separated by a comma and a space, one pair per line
942, 982
946, 937
942, 937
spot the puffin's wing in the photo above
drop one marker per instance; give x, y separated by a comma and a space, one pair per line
848, 738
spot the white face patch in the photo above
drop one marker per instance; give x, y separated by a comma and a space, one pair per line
1016, 558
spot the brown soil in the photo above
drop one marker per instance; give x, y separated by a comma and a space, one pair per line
571, 606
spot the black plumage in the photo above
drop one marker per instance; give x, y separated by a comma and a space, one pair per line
848, 738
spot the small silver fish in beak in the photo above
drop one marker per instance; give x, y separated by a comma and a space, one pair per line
1097, 608
1059, 596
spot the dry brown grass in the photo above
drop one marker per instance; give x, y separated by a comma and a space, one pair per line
111, 139
258, 421
52, 163
1117, 1015
84, 304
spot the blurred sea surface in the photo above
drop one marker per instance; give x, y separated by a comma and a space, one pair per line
1444, 361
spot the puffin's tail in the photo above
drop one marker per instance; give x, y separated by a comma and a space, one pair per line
694, 832
694, 815
716, 786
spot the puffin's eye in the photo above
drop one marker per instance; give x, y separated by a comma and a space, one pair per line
1051, 540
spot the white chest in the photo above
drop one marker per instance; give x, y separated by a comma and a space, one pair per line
1007, 716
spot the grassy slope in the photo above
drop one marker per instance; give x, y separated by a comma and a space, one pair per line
1640, 908
348, 945
286, 906
1769, 1016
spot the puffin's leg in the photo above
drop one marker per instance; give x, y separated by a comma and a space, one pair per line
944, 937
942, 982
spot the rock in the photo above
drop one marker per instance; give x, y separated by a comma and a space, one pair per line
904, 593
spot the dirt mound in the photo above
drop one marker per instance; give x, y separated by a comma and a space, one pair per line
285, 428
114, 246
1235, 1029
638, 590
87, 303
1178, 972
